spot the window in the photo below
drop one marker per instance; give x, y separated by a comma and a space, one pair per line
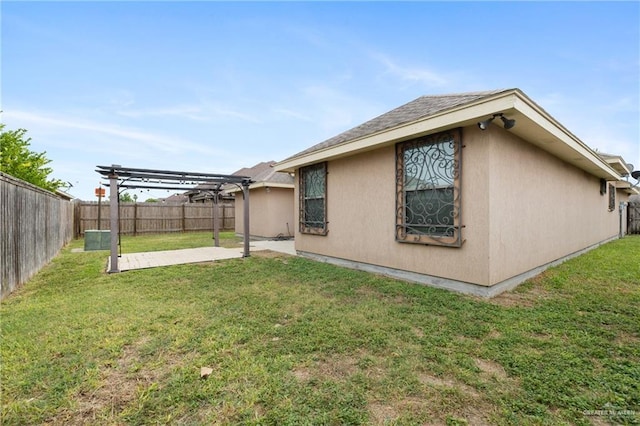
428, 190
612, 197
313, 197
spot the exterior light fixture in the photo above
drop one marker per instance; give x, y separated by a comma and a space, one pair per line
485, 124
508, 123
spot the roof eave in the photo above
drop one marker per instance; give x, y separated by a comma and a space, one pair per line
535, 125
257, 185
626, 187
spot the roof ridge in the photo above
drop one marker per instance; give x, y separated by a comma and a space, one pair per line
476, 93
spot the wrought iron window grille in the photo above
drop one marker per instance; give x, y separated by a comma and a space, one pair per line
313, 199
428, 191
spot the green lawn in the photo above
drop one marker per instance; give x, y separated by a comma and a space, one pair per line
292, 341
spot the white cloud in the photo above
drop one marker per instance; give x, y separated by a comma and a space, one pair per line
191, 112
410, 74
289, 113
334, 110
91, 129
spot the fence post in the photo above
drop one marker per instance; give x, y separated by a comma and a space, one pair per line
184, 219
135, 218
224, 217
216, 225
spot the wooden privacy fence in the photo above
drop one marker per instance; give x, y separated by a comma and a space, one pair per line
141, 218
34, 225
633, 217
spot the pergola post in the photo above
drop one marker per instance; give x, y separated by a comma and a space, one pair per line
216, 226
113, 214
245, 195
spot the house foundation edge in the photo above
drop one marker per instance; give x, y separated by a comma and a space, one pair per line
446, 283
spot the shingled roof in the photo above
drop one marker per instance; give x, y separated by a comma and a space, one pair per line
419, 108
264, 172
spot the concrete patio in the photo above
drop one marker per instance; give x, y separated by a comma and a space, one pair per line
152, 259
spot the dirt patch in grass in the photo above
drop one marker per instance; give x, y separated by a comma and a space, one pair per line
432, 409
118, 388
121, 383
626, 339
418, 332
447, 383
381, 414
368, 291
336, 368
523, 298
270, 254
491, 368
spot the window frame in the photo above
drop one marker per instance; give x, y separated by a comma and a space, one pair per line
409, 232
304, 224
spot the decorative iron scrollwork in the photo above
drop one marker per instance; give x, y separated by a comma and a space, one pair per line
428, 189
313, 190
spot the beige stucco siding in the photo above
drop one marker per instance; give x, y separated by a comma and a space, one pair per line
361, 215
271, 212
541, 208
521, 208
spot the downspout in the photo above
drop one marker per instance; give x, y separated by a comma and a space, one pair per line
621, 211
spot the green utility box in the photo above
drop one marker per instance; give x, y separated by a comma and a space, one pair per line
97, 240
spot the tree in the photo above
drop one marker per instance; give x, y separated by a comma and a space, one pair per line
17, 160
125, 197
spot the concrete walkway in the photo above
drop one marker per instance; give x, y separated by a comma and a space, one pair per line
152, 259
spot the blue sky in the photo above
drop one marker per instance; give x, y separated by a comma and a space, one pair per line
216, 86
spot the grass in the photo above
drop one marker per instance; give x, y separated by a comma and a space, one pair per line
292, 341
176, 241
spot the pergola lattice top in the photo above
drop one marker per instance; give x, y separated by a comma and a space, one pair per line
134, 178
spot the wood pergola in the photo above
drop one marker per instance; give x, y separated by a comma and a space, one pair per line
133, 178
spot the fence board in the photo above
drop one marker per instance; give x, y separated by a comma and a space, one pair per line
633, 217
141, 218
35, 225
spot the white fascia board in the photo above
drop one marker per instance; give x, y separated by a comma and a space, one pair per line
257, 185
626, 187
618, 163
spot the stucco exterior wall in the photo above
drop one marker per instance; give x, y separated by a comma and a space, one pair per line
361, 215
271, 212
521, 208
541, 208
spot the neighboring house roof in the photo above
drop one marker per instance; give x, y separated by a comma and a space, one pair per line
618, 163
64, 195
175, 199
263, 174
431, 114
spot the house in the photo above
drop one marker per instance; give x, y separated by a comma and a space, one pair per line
204, 193
175, 199
473, 192
272, 208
